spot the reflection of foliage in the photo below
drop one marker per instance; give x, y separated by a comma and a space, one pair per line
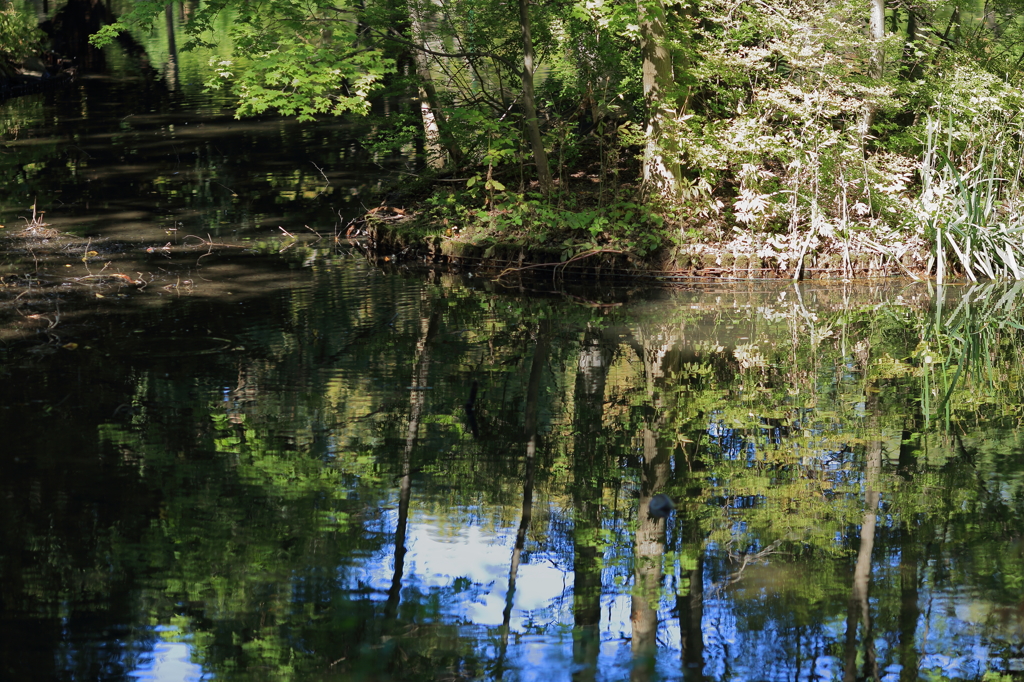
960, 351
29, 172
297, 58
777, 476
269, 475
211, 187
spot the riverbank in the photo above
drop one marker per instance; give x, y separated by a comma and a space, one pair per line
409, 240
597, 231
599, 219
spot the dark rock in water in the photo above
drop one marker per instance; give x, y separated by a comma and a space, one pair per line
661, 506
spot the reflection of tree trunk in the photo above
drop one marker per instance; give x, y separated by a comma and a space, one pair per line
75, 21
540, 358
172, 49
417, 399
859, 608
910, 444
691, 617
588, 399
910, 609
650, 547
691, 606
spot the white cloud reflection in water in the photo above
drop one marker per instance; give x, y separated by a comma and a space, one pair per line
438, 556
168, 662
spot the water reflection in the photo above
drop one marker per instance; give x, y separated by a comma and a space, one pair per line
309, 501
168, 662
134, 162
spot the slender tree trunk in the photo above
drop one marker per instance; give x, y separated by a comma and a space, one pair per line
430, 114
910, 69
954, 23
435, 127
661, 171
682, 59
877, 28
540, 156
990, 19
876, 33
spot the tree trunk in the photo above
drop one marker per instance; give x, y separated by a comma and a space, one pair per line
435, 127
661, 163
990, 19
876, 32
540, 156
911, 69
877, 28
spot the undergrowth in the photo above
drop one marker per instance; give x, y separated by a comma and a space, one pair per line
574, 221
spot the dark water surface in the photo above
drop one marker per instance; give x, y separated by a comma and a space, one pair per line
114, 158
348, 473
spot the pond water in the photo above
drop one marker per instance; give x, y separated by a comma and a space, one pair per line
304, 466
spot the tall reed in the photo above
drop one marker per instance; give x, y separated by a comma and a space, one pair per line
972, 199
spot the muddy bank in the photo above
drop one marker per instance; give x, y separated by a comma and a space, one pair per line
55, 287
403, 238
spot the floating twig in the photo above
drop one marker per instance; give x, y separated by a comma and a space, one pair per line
563, 264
